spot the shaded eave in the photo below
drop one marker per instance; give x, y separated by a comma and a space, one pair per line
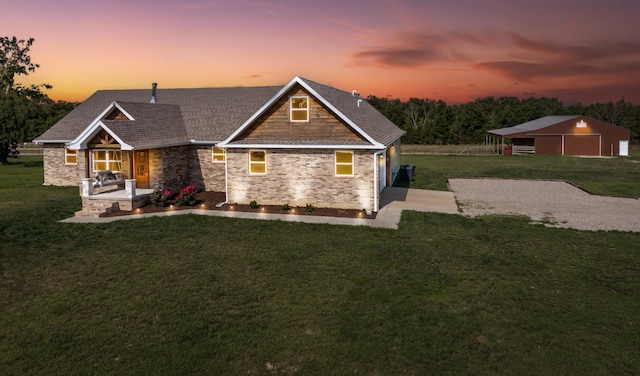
298, 146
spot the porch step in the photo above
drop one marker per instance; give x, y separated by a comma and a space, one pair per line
98, 209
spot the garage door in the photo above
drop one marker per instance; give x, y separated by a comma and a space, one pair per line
549, 145
582, 144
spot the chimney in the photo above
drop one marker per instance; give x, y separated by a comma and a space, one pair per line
154, 86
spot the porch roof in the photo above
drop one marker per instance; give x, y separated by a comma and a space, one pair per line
152, 124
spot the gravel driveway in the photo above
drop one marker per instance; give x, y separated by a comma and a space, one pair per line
554, 203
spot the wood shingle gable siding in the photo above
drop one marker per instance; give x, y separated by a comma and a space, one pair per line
275, 123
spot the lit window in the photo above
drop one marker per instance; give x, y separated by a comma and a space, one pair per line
218, 154
299, 108
257, 162
344, 163
70, 156
107, 160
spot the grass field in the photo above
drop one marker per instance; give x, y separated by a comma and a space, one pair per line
443, 294
602, 176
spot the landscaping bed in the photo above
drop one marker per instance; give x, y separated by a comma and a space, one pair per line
207, 201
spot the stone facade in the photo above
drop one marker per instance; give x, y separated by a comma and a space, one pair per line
94, 207
169, 168
56, 172
204, 173
294, 176
300, 177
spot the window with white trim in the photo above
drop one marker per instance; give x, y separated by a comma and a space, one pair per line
257, 162
344, 163
299, 108
106, 160
218, 154
70, 156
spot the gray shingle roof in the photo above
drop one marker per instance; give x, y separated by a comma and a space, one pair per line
153, 125
365, 116
532, 125
204, 115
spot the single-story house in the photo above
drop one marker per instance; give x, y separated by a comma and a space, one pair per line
301, 143
564, 135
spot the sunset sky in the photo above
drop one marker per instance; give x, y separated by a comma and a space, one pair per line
457, 50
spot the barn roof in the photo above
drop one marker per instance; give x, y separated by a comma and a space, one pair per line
533, 125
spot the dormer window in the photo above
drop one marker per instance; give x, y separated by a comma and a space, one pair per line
299, 108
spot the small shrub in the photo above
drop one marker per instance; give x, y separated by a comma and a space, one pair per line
286, 207
310, 208
253, 204
187, 196
160, 197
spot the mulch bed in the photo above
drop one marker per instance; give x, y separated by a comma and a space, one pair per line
208, 201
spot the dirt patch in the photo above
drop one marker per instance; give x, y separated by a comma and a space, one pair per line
208, 201
552, 203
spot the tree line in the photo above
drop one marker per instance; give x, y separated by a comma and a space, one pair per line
25, 111
429, 121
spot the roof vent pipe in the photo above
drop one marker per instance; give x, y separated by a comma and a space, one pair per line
154, 86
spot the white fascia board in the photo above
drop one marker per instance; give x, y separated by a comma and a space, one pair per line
76, 143
123, 145
262, 109
125, 113
194, 142
280, 146
80, 142
38, 142
280, 93
337, 112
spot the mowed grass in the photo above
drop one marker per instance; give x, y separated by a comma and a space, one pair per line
618, 176
185, 295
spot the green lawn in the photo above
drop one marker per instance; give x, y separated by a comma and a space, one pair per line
188, 295
604, 176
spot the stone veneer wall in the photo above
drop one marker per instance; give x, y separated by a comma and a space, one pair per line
56, 172
300, 177
169, 168
203, 172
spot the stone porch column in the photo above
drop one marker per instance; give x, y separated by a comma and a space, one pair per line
87, 187
130, 188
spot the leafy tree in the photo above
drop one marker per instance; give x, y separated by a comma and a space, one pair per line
19, 105
434, 122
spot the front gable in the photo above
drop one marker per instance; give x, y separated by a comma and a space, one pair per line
280, 121
359, 139
97, 127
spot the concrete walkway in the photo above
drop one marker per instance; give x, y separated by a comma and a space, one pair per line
393, 201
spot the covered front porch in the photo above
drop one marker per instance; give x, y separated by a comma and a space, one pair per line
99, 202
